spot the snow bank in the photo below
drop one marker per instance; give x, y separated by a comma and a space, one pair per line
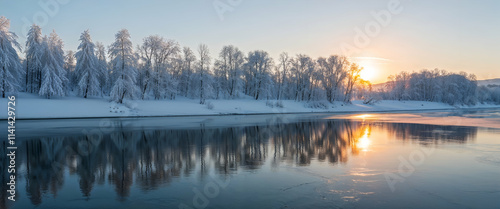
30, 106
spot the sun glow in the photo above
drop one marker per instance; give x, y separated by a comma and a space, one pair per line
371, 67
364, 116
368, 73
364, 142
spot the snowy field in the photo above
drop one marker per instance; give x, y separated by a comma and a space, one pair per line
30, 106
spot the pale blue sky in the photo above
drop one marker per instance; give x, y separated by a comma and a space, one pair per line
455, 35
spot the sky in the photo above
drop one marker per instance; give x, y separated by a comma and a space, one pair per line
383, 36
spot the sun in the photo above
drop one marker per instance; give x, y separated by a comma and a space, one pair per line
370, 67
368, 73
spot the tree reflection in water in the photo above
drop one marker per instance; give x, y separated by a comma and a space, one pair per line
151, 159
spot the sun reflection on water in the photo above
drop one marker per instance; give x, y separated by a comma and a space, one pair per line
364, 142
364, 116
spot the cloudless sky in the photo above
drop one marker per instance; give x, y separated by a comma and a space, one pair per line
455, 35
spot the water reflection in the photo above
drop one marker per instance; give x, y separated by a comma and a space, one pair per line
151, 159
431, 134
363, 143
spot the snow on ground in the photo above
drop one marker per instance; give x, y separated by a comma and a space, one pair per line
30, 106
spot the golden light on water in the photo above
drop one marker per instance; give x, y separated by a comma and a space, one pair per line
364, 142
364, 116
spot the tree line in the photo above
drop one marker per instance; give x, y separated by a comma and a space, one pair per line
159, 68
438, 86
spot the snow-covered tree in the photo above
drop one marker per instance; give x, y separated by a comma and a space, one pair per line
424, 85
69, 66
167, 61
352, 78
436, 86
52, 85
175, 72
489, 94
302, 70
399, 85
34, 59
123, 61
87, 67
10, 66
228, 71
159, 57
363, 90
257, 72
146, 52
102, 67
205, 84
187, 85
56, 47
282, 73
334, 72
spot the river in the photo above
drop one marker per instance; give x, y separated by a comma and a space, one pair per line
397, 160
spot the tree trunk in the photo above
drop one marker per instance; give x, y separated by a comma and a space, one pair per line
3, 83
27, 74
144, 91
202, 99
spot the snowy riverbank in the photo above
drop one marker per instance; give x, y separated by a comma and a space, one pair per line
30, 106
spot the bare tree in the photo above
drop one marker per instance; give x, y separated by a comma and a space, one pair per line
352, 78
334, 72
203, 67
282, 71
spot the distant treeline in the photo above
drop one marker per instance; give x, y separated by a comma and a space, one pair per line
438, 86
